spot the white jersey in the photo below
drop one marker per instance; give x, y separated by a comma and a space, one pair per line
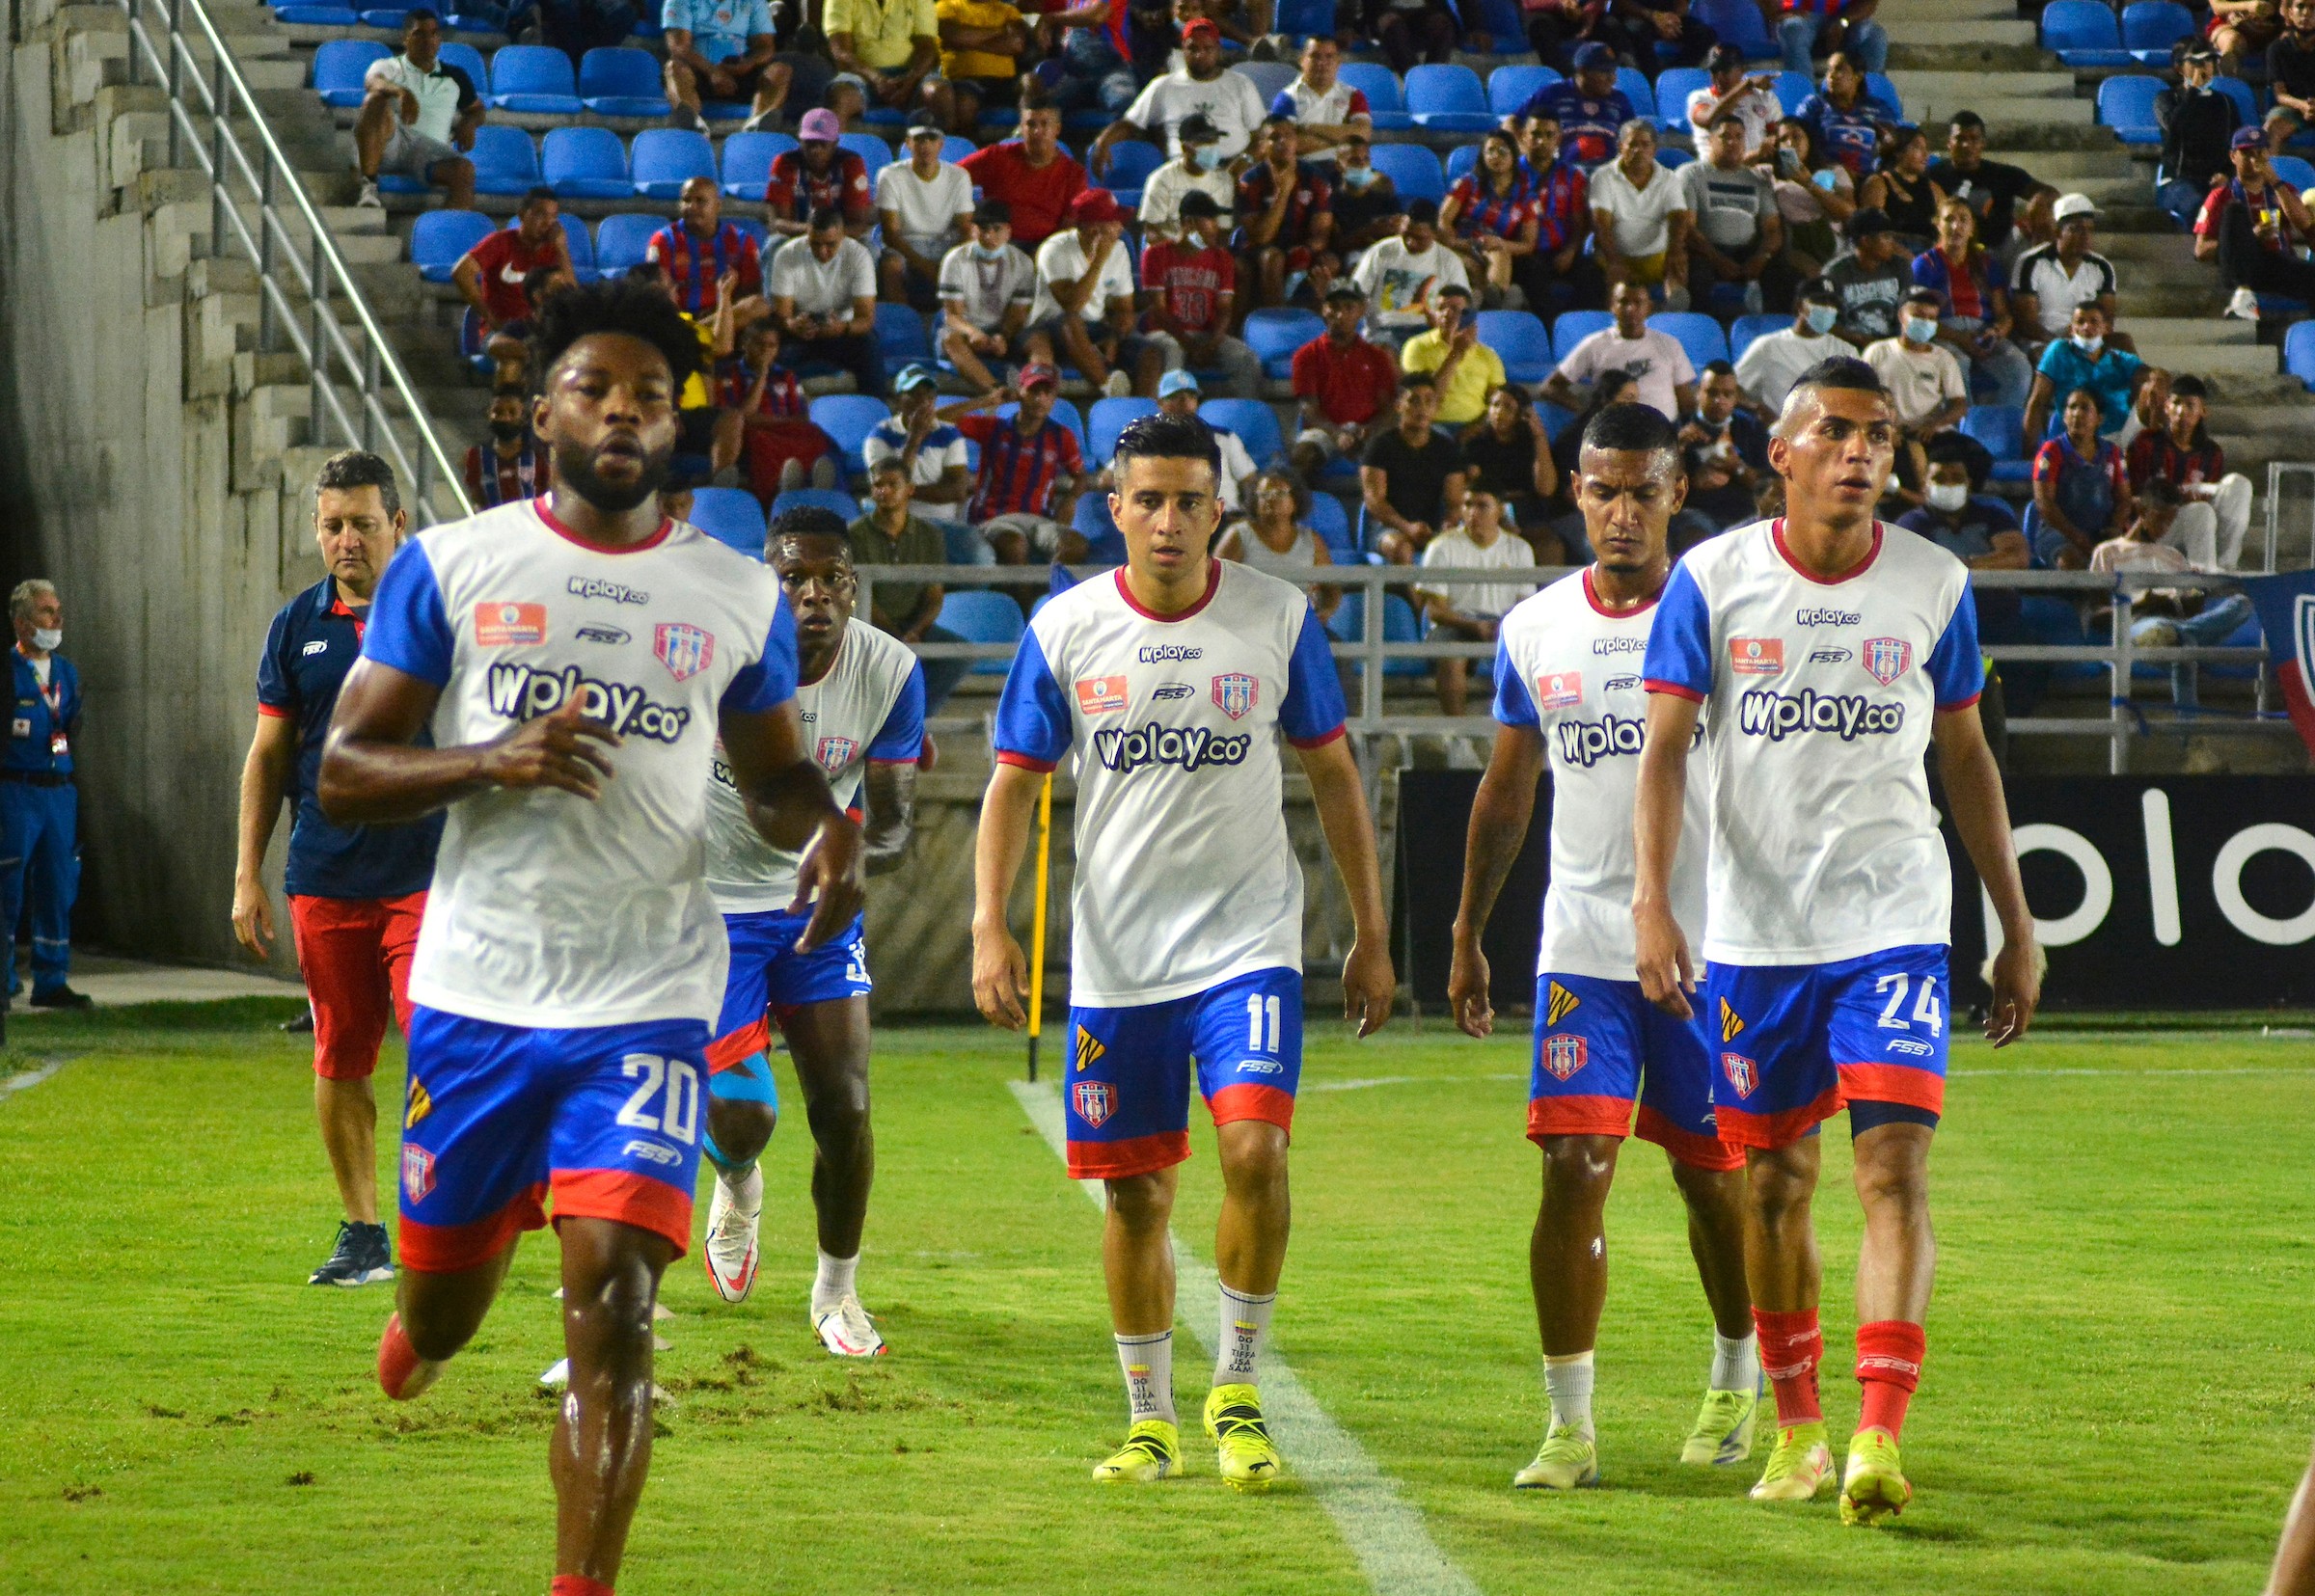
1571, 670
1184, 875
548, 910
867, 710
1818, 697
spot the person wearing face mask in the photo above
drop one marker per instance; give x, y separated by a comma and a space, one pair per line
2198, 123
38, 802
1924, 383
1199, 168
2085, 360
1767, 369
510, 465
1366, 201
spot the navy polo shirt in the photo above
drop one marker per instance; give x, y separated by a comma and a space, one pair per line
315, 641
42, 721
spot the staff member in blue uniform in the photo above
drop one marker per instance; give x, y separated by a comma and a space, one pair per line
39, 805
356, 893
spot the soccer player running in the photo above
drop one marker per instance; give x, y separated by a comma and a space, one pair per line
1173, 679
861, 695
1825, 653
577, 657
1568, 692
356, 892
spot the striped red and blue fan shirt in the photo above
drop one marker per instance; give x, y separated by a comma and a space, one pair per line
1558, 198
695, 265
1479, 209
1963, 288
1018, 475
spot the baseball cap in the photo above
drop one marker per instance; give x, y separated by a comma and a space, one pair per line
2246, 138
848, 80
2199, 49
1201, 27
914, 376
1863, 224
1038, 375
925, 131
1594, 55
1198, 202
1095, 206
2079, 204
1723, 57
1178, 381
819, 127
1198, 128
991, 213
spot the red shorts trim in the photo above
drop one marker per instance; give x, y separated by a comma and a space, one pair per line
271, 713
1959, 703
447, 1249
1006, 756
730, 1053
635, 1200
1893, 1083
356, 956
1137, 1155
1775, 1130
1246, 1100
1703, 1152
1578, 1117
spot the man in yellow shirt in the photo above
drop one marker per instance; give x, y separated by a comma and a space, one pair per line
893, 47
981, 42
1466, 369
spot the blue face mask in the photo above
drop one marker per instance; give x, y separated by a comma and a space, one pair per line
982, 251
2089, 345
1201, 157
1358, 176
1822, 318
1920, 331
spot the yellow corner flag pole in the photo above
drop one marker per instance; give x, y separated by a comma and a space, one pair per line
1045, 854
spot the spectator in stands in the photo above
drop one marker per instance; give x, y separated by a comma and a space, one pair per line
510, 464
1366, 201
697, 251
1640, 217
1188, 291
1325, 110
1276, 537
1179, 394
893, 48
1199, 85
925, 205
1344, 385
494, 277
2086, 361
893, 534
2081, 489
2199, 124
2280, 125
931, 450
988, 286
1589, 110
2214, 510
1843, 27
980, 45
1766, 372
1400, 275
1506, 452
2051, 278
1903, 191
1870, 281
1198, 169
1471, 613
2240, 28
1651, 35
1466, 370
1748, 97
1654, 359
2253, 227
578, 26
1848, 122
1737, 235
1724, 451
823, 288
1084, 308
418, 117
1991, 189
1979, 531
1559, 272
1925, 386
785, 448
1030, 467
2149, 406
1084, 67
1411, 476
1815, 195
1972, 310
1488, 219
1285, 207
705, 430
720, 50
2169, 617
1033, 177
1556, 28
819, 175
1411, 32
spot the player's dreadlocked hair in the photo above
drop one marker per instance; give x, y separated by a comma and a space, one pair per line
637, 309
1163, 437
1632, 429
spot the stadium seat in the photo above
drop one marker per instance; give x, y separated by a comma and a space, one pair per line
318, 16
1268, 77
1637, 89
1302, 18
2293, 172
1105, 543
1698, 334
2299, 353
874, 152
1748, 328
730, 516
1461, 161
620, 82
506, 160
2126, 104
1739, 23
1557, 419
1996, 426
1521, 340
1672, 157
391, 19
468, 60
1385, 101
980, 616
663, 159
748, 162
2150, 27
1254, 421
533, 78
620, 241
339, 66
1131, 163
2245, 96
1674, 86
1575, 326
833, 499
1448, 99
582, 246
1332, 523
1882, 88
900, 336
956, 146
1348, 625
1111, 416
1792, 88
586, 163
1275, 334
848, 418
1511, 88
440, 239
1412, 169
2082, 32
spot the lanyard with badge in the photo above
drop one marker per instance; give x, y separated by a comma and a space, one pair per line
52, 694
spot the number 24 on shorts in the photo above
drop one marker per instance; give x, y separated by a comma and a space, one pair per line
1925, 1009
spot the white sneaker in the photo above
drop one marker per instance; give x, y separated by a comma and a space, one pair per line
2244, 306
1119, 385
846, 1330
730, 1255
369, 198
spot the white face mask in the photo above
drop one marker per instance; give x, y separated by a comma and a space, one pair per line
1199, 156
1948, 496
1822, 318
1358, 176
2089, 346
47, 638
1920, 331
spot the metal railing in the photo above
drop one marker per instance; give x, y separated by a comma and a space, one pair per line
286, 272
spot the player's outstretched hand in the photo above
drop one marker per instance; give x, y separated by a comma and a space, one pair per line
2017, 983
1666, 976
561, 750
1369, 986
1468, 981
1000, 977
829, 871
253, 918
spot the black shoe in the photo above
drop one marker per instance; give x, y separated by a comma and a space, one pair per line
62, 997
302, 1022
362, 1257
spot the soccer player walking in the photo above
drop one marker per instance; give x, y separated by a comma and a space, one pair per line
356, 892
860, 696
1173, 680
1825, 653
1567, 692
577, 657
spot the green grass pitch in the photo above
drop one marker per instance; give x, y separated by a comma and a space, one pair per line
2118, 1395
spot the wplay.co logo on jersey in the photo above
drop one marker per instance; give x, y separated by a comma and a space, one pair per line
1755, 655
1101, 695
503, 625
1560, 689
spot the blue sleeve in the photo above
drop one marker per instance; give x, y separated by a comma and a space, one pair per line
71, 695
1282, 105
407, 628
1312, 712
1033, 726
1514, 705
900, 741
1956, 668
1679, 645
770, 681
759, 18
676, 14
276, 689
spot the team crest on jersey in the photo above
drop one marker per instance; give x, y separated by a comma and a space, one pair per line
1101, 695
1561, 690
1732, 1023
1234, 693
835, 752
685, 650
1755, 655
1094, 1100
1886, 658
1565, 1055
1089, 1049
500, 625
417, 1172
1742, 1072
1558, 1003
422, 1104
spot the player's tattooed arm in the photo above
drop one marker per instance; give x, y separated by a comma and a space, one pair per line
891, 792
790, 805
1370, 986
1666, 974
371, 775
1504, 803
1973, 784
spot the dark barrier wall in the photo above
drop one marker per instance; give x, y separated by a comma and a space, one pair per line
2177, 892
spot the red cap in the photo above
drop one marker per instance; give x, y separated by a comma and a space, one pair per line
1201, 27
1094, 206
1038, 375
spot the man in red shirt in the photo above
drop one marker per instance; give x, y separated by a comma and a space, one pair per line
490, 276
1345, 384
695, 250
2248, 225
1187, 288
1033, 174
819, 173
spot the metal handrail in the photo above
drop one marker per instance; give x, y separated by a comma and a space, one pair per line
322, 343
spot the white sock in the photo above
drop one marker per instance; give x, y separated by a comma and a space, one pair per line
1245, 1321
1568, 1382
1735, 1363
1148, 1361
833, 1283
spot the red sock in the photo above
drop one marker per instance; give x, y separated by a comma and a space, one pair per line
577, 1584
1888, 1365
397, 1358
1792, 1346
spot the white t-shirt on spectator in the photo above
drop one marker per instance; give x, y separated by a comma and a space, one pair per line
1237, 464
1339, 106
1921, 382
1756, 111
989, 288
438, 92
1229, 97
1643, 215
1655, 360
823, 289
1061, 258
1162, 195
2057, 291
927, 211
942, 447
1456, 550
1775, 362
1398, 282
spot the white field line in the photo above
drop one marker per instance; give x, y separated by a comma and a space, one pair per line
1464, 1080
1381, 1528
24, 1083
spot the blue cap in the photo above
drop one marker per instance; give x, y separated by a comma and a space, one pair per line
1181, 380
1594, 54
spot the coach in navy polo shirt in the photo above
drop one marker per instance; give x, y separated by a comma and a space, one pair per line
356, 893
39, 805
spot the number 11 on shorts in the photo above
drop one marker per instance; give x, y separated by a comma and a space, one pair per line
1261, 1011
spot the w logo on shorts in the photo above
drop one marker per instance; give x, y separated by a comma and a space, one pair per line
1731, 1021
1565, 1055
1559, 1004
422, 1104
1093, 1102
1089, 1049
1742, 1072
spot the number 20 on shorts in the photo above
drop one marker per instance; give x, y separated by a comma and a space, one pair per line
672, 1080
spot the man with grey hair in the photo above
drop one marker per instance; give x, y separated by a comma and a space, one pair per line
39, 805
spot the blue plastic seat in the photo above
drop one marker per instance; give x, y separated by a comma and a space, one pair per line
1748, 328
586, 163
1268, 77
1302, 18
339, 66
1275, 334
1111, 416
1573, 327
1637, 89
1521, 340
439, 240
2082, 32
980, 616
1131, 163
1387, 101
748, 162
2299, 353
1698, 334
834, 499
848, 418
956, 146
1511, 88
1332, 523
1105, 543
318, 16
621, 242
874, 152
468, 60
1461, 162
1254, 421
614, 81
2245, 96
900, 336
2126, 104
1448, 99
506, 160
391, 19
663, 159
582, 246
1672, 157
533, 78
1674, 86
2293, 172
1792, 88
1348, 625
1998, 426
1413, 169
732, 517
1557, 419
1739, 23
1879, 86
2150, 27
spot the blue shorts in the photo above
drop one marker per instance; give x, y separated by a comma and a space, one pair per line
771, 980
1126, 1090
607, 1119
1600, 1047
1795, 1041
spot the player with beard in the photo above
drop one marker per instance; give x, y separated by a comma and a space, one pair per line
861, 695
576, 657
1567, 692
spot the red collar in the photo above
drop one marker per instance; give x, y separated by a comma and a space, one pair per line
1785, 552
564, 532
1214, 586
1591, 597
